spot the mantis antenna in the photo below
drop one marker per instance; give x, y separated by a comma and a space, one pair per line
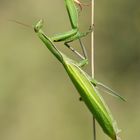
21, 23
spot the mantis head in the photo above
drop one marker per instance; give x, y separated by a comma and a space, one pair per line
38, 26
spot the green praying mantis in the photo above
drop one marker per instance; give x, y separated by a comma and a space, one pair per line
85, 85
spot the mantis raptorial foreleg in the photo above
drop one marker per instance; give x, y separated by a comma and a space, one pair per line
73, 34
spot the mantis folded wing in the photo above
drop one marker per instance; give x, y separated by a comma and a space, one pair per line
84, 85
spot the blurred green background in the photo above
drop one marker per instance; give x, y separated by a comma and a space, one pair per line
37, 99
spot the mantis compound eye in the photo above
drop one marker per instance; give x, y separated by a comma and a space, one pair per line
38, 26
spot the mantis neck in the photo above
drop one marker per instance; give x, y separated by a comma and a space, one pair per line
49, 44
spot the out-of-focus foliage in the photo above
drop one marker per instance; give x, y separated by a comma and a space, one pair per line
37, 99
